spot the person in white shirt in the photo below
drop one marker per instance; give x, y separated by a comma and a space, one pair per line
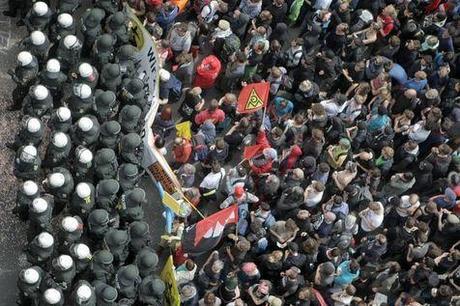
334, 105
313, 193
211, 182
372, 217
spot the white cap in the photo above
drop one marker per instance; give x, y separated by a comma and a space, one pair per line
85, 70
164, 75
40, 92
63, 113
70, 224
31, 150
82, 90
84, 292
56, 179
40, 8
52, 296
37, 38
33, 125
65, 262
85, 156
31, 276
30, 188
25, 58
60, 140
82, 251
70, 41
65, 20
39, 205
85, 124
83, 190
53, 65
45, 240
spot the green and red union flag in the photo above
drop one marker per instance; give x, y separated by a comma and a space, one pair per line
253, 97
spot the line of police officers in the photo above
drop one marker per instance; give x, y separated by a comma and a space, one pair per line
87, 93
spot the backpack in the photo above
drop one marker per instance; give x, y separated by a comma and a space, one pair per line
200, 149
231, 44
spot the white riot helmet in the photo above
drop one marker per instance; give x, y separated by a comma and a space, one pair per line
30, 188
85, 70
82, 251
85, 124
70, 41
37, 38
84, 293
33, 125
31, 276
60, 140
39, 205
63, 113
56, 180
30, 150
164, 75
65, 20
82, 90
40, 92
65, 262
40, 8
52, 296
83, 190
25, 58
53, 65
70, 224
45, 240
85, 156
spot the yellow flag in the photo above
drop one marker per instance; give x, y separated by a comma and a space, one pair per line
171, 293
184, 130
171, 202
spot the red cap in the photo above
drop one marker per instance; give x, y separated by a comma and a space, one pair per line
238, 192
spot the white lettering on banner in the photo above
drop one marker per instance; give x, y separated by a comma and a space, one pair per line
148, 68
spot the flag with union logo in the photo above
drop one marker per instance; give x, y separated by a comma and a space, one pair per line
253, 97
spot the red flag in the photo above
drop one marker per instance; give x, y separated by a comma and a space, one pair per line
251, 151
253, 97
207, 233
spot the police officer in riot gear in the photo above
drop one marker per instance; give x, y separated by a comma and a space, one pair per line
106, 105
24, 75
58, 150
68, 52
61, 120
53, 79
130, 119
27, 163
39, 17
110, 135
38, 102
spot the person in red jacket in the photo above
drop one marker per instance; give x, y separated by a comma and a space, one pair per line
182, 151
213, 113
264, 162
291, 158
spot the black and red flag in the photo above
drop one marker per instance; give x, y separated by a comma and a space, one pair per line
207, 233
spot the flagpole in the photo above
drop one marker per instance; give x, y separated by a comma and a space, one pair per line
193, 206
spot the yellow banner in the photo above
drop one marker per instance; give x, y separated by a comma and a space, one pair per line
172, 297
184, 130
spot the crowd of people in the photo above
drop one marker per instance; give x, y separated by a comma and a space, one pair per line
350, 199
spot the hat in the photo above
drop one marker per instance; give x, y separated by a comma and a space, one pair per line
431, 43
238, 192
187, 292
224, 25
